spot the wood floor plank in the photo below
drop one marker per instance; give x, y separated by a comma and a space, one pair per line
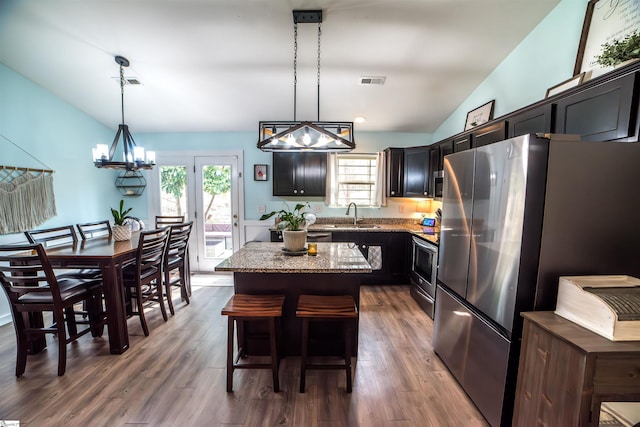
177, 376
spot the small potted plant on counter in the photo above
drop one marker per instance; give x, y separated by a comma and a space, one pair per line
121, 229
293, 224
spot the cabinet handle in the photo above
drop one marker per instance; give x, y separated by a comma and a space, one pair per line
295, 191
393, 193
301, 191
425, 193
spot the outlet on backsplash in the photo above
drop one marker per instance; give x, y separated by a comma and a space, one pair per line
401, 208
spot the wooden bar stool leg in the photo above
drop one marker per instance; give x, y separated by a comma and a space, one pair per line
347, 353
274, 354
303, 353
230, 355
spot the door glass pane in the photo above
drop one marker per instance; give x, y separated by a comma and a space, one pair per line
218, 221
173, 190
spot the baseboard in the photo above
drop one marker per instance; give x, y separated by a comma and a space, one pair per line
5, 318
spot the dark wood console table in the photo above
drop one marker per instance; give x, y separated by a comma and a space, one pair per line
567, 371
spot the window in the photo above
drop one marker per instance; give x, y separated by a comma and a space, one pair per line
355, 178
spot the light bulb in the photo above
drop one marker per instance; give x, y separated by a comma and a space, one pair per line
306, 139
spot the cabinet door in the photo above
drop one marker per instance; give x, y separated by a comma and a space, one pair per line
461, 143
446, 148
416, 172
489, 134
314, 179
299, 174
532, 121
395, 171
284, 174
434, 166
601, 113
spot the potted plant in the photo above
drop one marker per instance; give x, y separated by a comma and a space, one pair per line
121, 230
293, 224
617, 52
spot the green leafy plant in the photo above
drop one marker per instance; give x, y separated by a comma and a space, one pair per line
119, 216
287, 219
618, 51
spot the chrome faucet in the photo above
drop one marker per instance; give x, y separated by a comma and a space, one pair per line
355, 212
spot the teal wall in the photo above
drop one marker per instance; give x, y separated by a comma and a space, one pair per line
60, 136
543, 59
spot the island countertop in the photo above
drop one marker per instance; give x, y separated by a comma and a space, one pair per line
268, 257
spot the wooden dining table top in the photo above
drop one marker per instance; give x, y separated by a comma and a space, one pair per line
95, 248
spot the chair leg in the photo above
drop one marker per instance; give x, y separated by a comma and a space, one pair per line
347, 353
71, 322
22, 345
274, 354
94, 309
143, 321
230, 354
160, 297
185, 288
167, 282
62, 345
303, 353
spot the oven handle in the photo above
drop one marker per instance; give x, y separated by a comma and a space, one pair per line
424, 245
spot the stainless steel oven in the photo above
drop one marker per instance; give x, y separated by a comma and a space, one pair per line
424, 270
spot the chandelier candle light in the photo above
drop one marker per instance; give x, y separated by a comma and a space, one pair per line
134, 156
305, 135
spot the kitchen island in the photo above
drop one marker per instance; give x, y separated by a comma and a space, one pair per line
264, 268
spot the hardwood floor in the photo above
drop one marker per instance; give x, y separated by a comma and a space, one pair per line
176, 376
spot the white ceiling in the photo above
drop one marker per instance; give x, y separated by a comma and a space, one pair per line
224, 65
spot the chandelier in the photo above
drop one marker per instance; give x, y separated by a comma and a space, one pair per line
134, 157
305, 135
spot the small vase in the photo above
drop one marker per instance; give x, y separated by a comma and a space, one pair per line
294, 240
121, 232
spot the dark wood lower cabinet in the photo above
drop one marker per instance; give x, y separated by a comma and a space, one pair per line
567, 371
394, 248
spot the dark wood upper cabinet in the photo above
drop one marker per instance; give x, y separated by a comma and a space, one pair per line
299, 174
416, 172
488, 134
394, 158
461, 142
536, 120
604, 112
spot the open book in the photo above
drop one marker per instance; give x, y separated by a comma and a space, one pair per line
606, 305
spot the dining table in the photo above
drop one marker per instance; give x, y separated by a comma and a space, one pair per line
109, 256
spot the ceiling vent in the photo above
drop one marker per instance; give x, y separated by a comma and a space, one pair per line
377, 80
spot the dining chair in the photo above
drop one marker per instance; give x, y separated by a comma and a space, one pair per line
50, 237
93, 230
32, 287
165, 220
143, 278
175, 258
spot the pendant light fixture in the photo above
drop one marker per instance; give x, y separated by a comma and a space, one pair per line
305, 135
134, 157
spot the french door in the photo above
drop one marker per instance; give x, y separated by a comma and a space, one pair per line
205, 189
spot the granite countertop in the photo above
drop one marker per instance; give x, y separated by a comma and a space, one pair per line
268, 257
430, 234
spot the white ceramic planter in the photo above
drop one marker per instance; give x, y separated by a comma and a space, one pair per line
121, 232
294, 240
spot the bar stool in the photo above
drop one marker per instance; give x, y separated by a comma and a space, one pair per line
326, 308
241, 307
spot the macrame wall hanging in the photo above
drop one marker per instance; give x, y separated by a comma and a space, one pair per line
26, 196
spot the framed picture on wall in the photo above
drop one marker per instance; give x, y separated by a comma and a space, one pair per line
479, 115
565, 85
259, 172
604, 22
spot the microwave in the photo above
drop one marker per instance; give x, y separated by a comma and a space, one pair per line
438, 183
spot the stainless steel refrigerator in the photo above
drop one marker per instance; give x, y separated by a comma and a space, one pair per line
516, 215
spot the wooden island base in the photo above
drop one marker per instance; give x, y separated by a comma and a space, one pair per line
292, 285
